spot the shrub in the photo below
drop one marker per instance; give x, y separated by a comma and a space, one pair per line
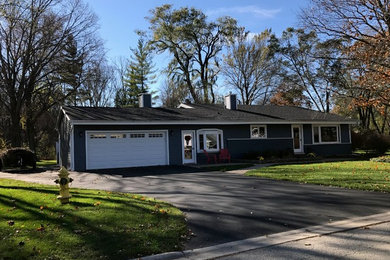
385, 158
269, 154
311, 155
370, 140
17, 157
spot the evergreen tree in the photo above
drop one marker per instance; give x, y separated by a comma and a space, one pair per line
139, 76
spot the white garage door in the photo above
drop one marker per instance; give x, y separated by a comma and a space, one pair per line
126, 149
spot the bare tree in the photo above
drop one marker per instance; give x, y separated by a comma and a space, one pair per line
99, 85
195, 45
33, 37
366, 24
249, 68
173, 93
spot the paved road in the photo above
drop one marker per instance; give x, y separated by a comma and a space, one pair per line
224, 207
371, 242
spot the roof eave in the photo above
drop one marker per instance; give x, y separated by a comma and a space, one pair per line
200, 122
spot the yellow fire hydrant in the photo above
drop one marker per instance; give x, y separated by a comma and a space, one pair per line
64, 181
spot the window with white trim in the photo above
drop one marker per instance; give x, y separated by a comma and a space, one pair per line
210, 140
137, 135
156, 135
326, 134
97, 136
258, 131
117, 136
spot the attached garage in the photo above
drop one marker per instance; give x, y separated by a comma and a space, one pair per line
120, 149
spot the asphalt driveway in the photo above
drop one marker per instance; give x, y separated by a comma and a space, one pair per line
223, 207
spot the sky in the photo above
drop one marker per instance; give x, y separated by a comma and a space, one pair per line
118, 19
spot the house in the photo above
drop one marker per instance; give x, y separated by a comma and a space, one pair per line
104, 137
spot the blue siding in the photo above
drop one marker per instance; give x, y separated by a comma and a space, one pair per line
342, 148
279, 131
329, 149
240, 148
307, 134
64, 130
236, 139
344, 129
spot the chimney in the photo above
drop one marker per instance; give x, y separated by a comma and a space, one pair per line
145, 100
231, 101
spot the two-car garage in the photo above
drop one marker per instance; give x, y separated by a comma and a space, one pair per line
120, 149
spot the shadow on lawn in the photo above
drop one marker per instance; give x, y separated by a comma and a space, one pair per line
104, 237
27, 170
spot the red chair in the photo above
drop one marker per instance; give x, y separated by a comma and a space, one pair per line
210, 157
224, 155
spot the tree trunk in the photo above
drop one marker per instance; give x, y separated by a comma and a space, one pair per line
30, 133
15, 130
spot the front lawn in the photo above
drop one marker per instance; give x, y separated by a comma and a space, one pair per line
46, 163
226, 167
96, 225
362, 175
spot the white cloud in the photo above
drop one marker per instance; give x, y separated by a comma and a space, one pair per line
249, 9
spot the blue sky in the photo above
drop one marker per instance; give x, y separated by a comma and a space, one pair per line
119, 19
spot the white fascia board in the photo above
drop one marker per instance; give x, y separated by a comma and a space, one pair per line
105, 122
182, 105
65, 114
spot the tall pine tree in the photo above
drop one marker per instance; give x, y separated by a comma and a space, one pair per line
139, 76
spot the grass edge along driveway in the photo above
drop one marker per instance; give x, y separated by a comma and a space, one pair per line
95, 225
361, 175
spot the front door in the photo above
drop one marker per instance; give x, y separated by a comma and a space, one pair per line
297, 138
188, 141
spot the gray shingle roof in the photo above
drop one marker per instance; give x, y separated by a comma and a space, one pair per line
202, 113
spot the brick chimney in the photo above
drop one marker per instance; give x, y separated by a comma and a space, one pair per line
145, 100
231, 101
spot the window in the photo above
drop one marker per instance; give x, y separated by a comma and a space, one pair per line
316, 134
258, 131
155, 135
325, 134
210, 140
118, 136
201, 142
97, 136
137, 135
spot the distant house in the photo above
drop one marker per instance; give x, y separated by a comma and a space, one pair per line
103, 137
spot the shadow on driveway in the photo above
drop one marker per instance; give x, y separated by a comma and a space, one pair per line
147, 171
224, 207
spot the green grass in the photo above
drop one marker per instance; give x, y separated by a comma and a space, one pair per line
46, 163
362, 175
224, 168
95, 225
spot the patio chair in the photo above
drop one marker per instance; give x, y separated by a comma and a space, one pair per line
224, 155
210, 157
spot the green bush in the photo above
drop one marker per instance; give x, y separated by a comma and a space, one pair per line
385, 158
370, 140
17, 157
46, 148
269, 154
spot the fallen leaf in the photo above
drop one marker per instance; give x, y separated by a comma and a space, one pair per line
41, 228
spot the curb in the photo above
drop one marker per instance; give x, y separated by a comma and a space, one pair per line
240, 246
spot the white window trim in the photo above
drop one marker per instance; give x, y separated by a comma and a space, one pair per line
265, 132
72, 162
205, 131
319, 134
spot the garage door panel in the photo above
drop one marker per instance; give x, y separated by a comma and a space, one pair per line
130, 149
